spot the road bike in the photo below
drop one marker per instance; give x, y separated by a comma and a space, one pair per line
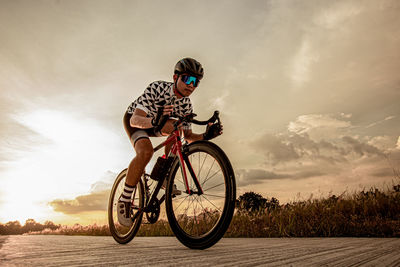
202, 172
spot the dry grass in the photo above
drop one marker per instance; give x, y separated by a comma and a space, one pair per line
369, 213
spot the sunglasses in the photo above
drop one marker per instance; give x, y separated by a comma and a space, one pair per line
189, 79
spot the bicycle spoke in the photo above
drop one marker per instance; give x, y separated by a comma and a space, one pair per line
186, 211
207, 213
202, 163
211, 177
180, 197
198, 220
214, 186
194, 167
182, 202
212, 204
209, 171
213, 195
179, 180
194, 217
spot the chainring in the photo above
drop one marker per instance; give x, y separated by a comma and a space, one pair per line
154, 212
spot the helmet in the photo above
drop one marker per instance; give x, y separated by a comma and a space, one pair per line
190, 66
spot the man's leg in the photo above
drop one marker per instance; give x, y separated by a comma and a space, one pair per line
144, 152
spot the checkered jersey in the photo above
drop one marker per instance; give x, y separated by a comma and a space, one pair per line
159, 94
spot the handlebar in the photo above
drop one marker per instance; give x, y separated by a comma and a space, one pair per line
190, 119
214, 117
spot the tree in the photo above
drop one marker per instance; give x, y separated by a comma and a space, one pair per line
32, 226
252, 202
13, 228
51, 225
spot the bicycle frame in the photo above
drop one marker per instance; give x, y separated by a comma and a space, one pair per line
176, 150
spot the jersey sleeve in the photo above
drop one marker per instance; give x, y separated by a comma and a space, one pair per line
147, 99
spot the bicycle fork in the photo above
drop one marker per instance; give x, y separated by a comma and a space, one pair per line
183, 158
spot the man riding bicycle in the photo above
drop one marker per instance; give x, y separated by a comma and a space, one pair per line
143, 119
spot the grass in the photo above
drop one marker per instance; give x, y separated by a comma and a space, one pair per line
368, 213
371, 213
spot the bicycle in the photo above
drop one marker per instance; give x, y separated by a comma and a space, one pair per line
200, 216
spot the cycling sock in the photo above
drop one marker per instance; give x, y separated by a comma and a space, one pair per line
127, 194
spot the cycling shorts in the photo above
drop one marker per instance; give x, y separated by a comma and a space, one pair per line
134, 133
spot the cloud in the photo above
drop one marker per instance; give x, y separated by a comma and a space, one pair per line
291, 147
338, 13
306, 151
256, 176
96, 200
383, 172
362, 148
302, 62
308, 174
275, 148
383, 143
92, 202
246, 177
320, 126
16, 138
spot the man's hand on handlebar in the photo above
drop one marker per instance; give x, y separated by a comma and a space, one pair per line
213, 130
161, 118
162, 113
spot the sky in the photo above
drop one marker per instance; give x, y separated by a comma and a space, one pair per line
308, 92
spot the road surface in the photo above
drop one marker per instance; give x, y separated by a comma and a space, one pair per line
167, 251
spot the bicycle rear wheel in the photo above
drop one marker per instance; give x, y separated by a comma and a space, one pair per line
120, 233
200, 221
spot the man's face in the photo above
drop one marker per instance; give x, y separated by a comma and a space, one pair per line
183, 88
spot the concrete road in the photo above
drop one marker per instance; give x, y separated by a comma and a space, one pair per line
167, 251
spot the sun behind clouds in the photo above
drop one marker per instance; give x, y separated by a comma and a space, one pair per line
76, 154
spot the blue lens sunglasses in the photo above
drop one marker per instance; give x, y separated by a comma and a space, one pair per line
189, 79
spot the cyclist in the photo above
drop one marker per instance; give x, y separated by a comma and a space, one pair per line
142, 119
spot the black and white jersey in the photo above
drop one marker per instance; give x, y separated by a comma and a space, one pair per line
159, 94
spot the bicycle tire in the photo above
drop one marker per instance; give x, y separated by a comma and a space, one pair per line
122, 234
210, 229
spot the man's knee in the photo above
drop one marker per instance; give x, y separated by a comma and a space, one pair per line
144, 149
145, 154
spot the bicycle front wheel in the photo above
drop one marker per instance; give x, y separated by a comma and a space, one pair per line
120, 233
200, 220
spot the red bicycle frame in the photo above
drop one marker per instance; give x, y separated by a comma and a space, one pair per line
176, 150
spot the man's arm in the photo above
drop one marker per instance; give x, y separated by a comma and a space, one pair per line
139, 119
191, 137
